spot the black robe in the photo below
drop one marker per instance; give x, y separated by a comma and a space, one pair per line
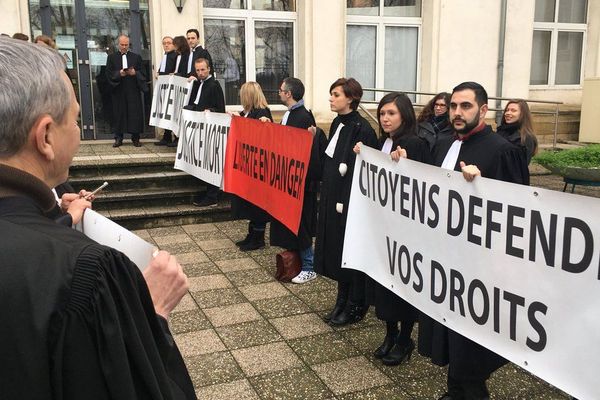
182, 67
170, 63
335, 188
211, 97
388, 305
126, 96
511, 133
78, 321
243, 209
496, 159
280, 235
428, 132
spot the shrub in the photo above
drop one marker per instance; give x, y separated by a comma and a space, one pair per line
582, 157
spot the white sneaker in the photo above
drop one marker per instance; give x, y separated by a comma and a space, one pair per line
305, 276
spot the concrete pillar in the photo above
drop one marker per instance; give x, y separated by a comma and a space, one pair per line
321, 51
15, 17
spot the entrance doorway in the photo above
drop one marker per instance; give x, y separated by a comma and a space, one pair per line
85, 33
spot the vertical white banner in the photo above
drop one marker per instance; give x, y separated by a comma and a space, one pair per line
171, 94
202, 145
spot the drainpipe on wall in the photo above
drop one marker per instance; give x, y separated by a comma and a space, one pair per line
500, 71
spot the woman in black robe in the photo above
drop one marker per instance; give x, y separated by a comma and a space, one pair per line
347, 129
516, 127
398, 128
183, 53
255, 106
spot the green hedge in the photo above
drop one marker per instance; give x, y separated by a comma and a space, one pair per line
582, 157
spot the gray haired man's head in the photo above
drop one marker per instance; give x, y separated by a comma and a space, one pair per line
32, 85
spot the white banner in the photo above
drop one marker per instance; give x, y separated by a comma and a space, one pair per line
202, 144
171, 94
514, 268
108, 233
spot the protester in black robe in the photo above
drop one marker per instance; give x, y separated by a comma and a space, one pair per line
433, 120
255, 106
127, 85
481, 152
398, 128
182, 49
206, 95
291, 93
79, 320
167, 66
196, 52
347, 129
517, 128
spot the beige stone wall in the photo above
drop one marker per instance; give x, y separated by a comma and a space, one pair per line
15, 17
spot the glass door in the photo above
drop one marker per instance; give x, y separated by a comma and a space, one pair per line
86, 33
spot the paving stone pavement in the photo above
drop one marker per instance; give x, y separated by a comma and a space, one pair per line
245, 335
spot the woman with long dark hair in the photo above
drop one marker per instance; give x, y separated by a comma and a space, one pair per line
516, 127
254, 106
347, 129
433, 120
398, 128
182, 49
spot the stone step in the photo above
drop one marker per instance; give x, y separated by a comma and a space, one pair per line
147, 197
161, 216
145, 180
118, 166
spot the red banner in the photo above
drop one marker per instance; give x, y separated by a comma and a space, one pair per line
266, 164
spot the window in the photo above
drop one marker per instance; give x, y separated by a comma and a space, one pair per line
251, 40
559, 33
382, 39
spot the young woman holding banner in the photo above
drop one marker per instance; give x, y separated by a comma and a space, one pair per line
347, 129
255, 106
398, 128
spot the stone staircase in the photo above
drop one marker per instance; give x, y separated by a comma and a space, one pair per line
144, 190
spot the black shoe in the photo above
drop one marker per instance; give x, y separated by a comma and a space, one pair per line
173, 143
246, 239
118, 142
350, 315
162, 142
136, 143
337, 309
386, 346
205, 202
257, 241
400, 352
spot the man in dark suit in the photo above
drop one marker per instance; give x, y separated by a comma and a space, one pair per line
207, 95
125, 77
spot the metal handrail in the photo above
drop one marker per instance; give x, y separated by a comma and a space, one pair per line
555, 112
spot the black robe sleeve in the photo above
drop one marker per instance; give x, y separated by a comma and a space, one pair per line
107, 342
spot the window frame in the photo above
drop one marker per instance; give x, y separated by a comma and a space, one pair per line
250, 17
381, 23
555, 28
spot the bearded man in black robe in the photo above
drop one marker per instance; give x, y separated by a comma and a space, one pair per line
125, 77
475, 150
79, 320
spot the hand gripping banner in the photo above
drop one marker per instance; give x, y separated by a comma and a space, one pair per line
266, 164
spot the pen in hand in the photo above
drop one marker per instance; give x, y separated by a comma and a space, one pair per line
90, 196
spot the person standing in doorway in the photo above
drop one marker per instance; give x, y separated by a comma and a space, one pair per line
126, 80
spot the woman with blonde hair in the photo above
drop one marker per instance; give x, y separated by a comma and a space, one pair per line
254, 106
517, 128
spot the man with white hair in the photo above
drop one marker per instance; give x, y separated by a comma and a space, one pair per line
79, 320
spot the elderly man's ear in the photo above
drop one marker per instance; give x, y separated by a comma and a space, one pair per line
42, 136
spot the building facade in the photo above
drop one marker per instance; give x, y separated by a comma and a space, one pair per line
535, 49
